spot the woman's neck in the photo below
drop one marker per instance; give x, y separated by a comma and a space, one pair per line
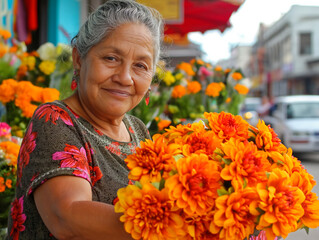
112, 127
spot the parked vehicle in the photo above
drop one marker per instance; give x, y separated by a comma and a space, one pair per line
249, 110
296, 121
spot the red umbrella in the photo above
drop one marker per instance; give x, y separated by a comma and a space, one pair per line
203, 15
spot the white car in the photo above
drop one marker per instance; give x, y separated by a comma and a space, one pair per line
296, 121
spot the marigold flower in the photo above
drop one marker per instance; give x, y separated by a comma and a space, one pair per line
152, 161
47, 67
8, 90
233, 215
267, 140
218, 68
226, 125
282, 204
148, 213
10, 148
178, 91
30, 62
304, 181
163, 124
228, 100
195, 185
237, 76
187, 68
194, 87
248, 165
213, 89
241, 89
49, 95
5, 34
2, 185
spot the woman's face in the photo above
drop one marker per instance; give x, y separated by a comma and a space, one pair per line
117, 72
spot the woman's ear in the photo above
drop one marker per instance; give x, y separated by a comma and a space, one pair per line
76, 58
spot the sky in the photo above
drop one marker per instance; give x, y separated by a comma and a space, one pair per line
244, 26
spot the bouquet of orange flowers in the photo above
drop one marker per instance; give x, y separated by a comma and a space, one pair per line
21, 99
219, 178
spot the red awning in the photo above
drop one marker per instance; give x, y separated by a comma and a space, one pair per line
203, 15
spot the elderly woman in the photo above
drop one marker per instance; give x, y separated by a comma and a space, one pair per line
71, 162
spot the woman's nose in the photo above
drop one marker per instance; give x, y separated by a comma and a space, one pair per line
124, 75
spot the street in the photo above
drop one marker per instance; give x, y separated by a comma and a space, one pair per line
311, 163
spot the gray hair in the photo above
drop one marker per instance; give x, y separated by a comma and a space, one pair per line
107, 17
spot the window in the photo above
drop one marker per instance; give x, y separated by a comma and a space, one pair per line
305, 44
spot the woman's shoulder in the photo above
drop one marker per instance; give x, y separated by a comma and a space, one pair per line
136, 126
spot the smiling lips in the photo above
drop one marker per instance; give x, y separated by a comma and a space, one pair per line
118, 92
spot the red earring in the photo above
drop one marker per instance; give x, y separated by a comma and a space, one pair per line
75, 78
147, 96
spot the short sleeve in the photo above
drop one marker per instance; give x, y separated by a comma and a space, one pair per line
53, 146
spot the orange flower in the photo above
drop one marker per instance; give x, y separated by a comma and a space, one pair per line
247, 164
49, 95
228, 100
198, 142
187, 68
178, 91
148, 213
227, 70
213, 89
22, 72
194, 87
9, 183
163, 124
8, 90
198, 61
218, 68
267, 140
226, 125
152, 161
195, 185
233, 215
10, 148
2, 185
304, 181
5, 34
282, 204
241, 89
237, 76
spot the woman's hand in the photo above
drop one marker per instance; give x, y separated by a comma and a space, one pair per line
66, 207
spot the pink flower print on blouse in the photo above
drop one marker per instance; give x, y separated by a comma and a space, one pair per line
27, 147
131, 130
114, 147
18, 218
95, 171
72, 157
53, 113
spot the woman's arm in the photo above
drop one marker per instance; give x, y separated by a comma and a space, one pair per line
66, 207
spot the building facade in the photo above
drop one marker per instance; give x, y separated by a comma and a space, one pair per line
285, 58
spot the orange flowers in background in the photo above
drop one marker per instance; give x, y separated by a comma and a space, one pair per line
216, 179
178, 91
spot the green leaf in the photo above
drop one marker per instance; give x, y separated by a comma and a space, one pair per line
138, 184
227, 161
222, 191
161, 184
176, 157
156, 184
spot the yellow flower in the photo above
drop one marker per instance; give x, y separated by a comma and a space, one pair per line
30, 62
169, 79
241, 89
148, 213
213, 89
47, 67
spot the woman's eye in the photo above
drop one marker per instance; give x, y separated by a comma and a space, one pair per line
142, 66
110, 58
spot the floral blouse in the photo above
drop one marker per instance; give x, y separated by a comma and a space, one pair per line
59, 142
